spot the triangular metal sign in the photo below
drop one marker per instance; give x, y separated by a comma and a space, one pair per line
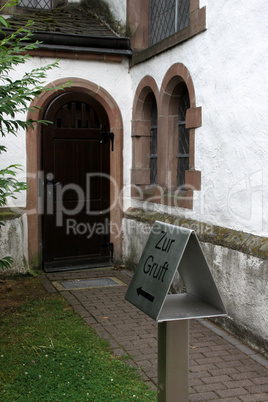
170, 249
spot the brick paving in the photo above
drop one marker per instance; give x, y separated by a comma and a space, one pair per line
220, 367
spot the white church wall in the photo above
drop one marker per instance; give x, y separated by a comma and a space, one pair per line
240, 278
118, 8
13, 241
113, 77
228, 64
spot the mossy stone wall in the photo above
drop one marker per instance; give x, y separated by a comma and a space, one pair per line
238, 263
13, 240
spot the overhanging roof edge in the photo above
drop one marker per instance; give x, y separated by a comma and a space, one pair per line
79, 49
114, 44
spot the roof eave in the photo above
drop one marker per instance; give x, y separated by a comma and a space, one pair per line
71, 42
85, 49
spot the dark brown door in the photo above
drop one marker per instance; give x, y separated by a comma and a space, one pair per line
76, 163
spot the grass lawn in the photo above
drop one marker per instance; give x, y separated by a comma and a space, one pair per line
48, 353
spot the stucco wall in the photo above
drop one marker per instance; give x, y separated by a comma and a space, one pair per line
228, 64
13, 243
241, 280
118, 8
110, 76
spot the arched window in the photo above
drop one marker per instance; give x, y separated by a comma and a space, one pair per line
183, 140
145, 136
153, 144
163, 135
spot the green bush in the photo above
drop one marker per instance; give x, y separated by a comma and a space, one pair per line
15, 98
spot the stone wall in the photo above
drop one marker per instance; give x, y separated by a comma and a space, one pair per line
238, 263
13, 241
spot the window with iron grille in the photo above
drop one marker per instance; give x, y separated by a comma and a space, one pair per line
40, 4
183, 132
166, 18
153, 145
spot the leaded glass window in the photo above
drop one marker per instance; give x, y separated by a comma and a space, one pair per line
153, 145
40, 4
166, 18
183, 132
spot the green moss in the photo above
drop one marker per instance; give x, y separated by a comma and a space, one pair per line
36, 261
232, 239
102, 10
7, 215
48, 20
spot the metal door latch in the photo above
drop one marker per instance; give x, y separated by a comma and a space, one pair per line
108, 135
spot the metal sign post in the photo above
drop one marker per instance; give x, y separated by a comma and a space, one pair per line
173, 361
172, 249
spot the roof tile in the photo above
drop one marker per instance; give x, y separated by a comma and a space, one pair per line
71, 19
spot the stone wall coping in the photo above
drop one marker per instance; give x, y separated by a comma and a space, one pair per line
8, 214
246, 243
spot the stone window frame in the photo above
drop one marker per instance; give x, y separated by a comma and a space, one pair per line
183, 138
153, 143
146, 92
138, 29
167, 18
166, 190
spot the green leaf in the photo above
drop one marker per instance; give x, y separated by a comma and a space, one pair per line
6, 262
17, 95
11, 3
4, 22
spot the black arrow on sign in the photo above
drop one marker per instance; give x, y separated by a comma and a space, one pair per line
147, 295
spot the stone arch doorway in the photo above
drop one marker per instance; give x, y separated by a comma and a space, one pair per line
76, 196
35, 175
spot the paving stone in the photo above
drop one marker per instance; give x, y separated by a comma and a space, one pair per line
208, 396
209, 387
254, 397
220, 367
229, 371
203, 367
71, 299
235, 363
227, 393
90, 321
198, 374
257, 389
216, 379
260, 380
118, 352
195, 381
241, 383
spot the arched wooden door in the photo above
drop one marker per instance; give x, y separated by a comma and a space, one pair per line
76, 165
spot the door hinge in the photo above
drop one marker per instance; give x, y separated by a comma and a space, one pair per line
108, 135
